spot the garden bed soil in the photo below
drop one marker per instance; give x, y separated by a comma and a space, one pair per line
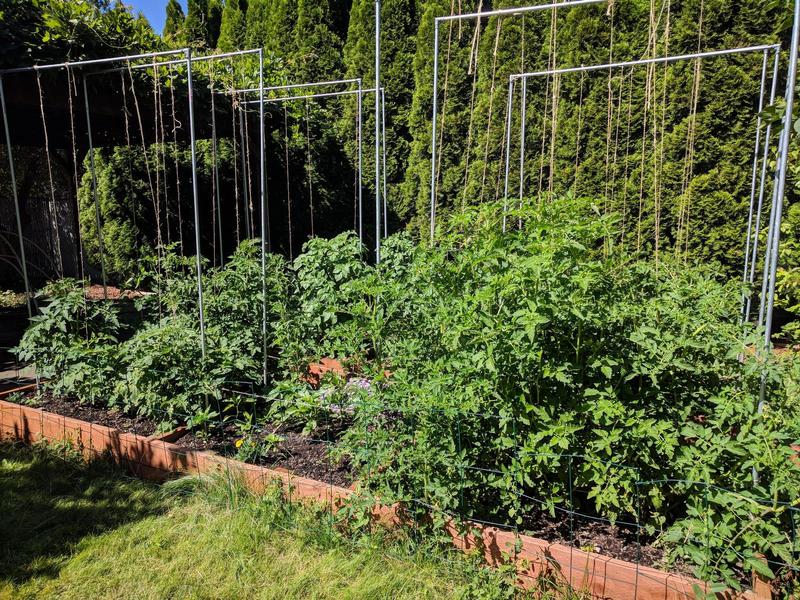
300, 454
91, 414
601, 538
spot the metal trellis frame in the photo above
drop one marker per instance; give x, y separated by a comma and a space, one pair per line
752, 233
378, 103
778, 192
360, 92
476, 15
12, 171
187, 59
747, 271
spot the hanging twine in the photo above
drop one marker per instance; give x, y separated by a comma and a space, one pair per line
288, 181
176, 124
156, 209
72, 87
308, 170
53, 214
492, 89
234, 106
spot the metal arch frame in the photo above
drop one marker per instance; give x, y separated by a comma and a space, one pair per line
476, 15
778, 193
96, 61
361, 92
12, 171
359, 134
188, 60
328, 83
378, 118
748, 276
648, 61
767, 302
766, 49
294, 86
312, 96
523, 78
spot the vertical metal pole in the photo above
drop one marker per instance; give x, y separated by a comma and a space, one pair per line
523, 116
778, 193
28, 292
383, 161
762, 305
216, 178
761, 192
196, 198
265, 242
360, 166
97, 219
245, 166
433, 126
753, 183
508, 152
377, 131
780, 176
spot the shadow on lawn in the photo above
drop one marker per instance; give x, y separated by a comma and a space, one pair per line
49, 501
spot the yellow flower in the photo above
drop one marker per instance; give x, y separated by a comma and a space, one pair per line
239, 443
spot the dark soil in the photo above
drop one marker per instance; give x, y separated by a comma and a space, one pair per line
101, 416
309, 457
615, 541
303, 455
219, 440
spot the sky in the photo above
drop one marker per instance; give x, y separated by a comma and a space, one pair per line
154, 10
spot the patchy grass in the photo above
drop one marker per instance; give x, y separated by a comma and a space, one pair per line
79, 531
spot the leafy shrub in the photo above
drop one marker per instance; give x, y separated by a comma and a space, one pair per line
172, 278
73, 342
165, 377
315, 321
234, 304
549, 371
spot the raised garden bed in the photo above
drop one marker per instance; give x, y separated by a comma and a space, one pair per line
305, 455
151, 458
308, 456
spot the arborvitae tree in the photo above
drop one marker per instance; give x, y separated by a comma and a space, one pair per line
173, 26
214, 23
123, 199
195, 27
400, 20
281, 23
257, 23
359, 57
318, 51
454, 88
232, 29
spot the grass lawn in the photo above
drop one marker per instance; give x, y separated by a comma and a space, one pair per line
69, 530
